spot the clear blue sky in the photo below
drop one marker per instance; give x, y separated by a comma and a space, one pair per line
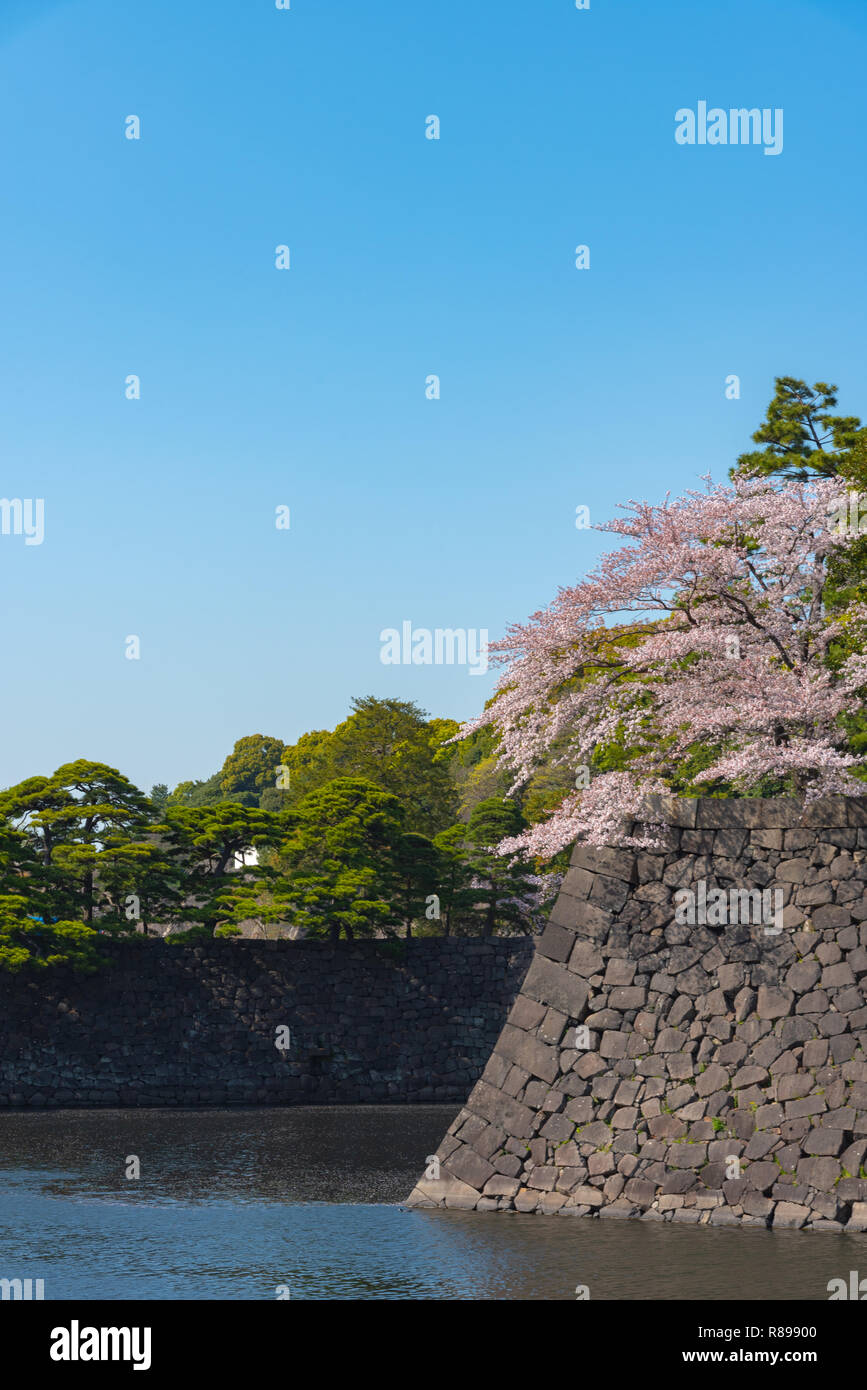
408, 257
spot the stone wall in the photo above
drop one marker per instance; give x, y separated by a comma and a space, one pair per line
705, 1072
170, 1025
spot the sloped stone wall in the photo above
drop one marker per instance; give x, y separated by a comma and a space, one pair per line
721, 1074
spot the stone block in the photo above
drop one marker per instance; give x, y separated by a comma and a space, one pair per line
500, 1186
691, 1156
615, 863
577, 883
626, 997
609, 893
585, 959
754, 1204
619, 972
713, 1078
790, 1215
823, 1141
528, 1052
586, 1197
731, 976
595, 1134
794, 1085
551, 1202
792, 870
802, 976
830, 917
672, 810
469, 1167
624, 1118
825, 813
680, 1065
820, 1173
444, 1191
719, 813
558, 1128
761, 1176
551, 983
542, 1177
613, 1044
527, 1014
556, 942
769, 1116
552, 1027
589, 1064
499, 1108
773, 1002
527, 1200
858, 1217
852, 1189
721, 1217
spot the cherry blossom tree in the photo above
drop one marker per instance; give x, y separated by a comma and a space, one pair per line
704, 643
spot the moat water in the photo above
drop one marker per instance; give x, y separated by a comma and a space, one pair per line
238, 1204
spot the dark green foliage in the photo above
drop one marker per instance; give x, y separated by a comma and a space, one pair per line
251, 768
27, 945
391, 744
485, 892
337, 867
204, 842
417, 869
802, 438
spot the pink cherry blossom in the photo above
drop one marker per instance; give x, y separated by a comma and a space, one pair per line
720, 596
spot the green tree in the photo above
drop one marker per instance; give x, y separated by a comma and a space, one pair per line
27, 940
206, 793
252, 767
391, 744
67, 820
509, 896
205, 841
34, 808
417, 872
142, 884
260, 899
20, 870
455, 891
309, 763
336, 864
475, 771
30, 943
801, 438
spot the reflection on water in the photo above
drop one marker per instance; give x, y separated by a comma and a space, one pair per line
234, 1203
338, 1153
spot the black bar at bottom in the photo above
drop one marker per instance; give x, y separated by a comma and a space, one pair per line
228, 1339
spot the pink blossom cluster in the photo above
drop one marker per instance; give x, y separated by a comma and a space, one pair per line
533, 903
708, 627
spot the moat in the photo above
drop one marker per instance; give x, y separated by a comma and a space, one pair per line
236, 1204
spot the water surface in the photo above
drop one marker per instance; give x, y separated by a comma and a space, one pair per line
233, 1204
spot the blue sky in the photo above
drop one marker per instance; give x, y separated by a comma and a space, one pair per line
409, 257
